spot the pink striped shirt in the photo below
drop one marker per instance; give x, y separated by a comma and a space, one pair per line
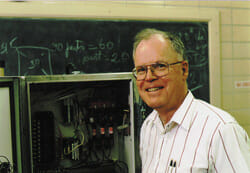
199, 138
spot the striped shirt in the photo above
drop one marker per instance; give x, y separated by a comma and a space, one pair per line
199, 138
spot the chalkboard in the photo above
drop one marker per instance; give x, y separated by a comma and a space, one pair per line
32, 46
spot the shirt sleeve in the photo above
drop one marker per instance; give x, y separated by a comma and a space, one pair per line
230, 151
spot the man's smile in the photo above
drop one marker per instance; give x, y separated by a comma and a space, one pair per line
153, 89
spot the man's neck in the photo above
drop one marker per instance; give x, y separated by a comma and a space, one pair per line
166, 114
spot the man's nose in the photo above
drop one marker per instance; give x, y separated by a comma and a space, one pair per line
150, 74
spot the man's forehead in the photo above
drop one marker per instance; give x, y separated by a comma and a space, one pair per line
157, 38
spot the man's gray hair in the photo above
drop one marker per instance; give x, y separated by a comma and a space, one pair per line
147, 33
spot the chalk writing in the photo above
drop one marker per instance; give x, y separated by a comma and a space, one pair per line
59, 46
4, 48
96, 57
34, 63
108, 45
39, 58
74, 48
25, 54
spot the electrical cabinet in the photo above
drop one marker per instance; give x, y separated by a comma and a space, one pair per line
78, 123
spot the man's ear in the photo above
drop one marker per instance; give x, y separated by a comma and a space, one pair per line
185, 69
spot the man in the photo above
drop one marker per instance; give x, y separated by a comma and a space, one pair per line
182, 134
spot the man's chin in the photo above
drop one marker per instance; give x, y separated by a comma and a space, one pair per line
154, 105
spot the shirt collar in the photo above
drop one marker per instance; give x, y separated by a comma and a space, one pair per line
180, 117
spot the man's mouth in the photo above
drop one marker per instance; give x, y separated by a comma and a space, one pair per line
153, 89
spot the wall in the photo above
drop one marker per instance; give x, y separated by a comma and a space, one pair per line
235, 57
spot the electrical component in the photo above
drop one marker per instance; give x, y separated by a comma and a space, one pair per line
43, 139
82, 133
68, 106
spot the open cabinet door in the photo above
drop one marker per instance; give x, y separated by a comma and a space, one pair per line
10, 155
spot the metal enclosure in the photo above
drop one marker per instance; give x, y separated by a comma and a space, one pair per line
10, 151
77, 123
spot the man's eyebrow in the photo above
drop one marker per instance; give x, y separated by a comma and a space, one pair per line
157, 62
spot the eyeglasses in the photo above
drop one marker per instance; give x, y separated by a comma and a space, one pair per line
159, 69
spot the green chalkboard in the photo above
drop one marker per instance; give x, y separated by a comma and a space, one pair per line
59, 46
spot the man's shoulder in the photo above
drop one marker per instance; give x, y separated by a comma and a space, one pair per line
150, 118
213, 112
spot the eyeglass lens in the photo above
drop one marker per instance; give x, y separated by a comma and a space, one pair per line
159, 69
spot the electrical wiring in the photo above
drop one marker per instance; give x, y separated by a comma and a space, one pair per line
4, 158
5, 166
107, 155
124, 168
88, 129
74, 148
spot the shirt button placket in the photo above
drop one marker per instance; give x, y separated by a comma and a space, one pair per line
160, 151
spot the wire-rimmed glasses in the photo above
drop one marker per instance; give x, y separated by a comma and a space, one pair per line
159, 69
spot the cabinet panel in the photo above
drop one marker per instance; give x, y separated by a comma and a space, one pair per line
5, 125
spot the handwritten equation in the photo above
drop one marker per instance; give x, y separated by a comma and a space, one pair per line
37, 58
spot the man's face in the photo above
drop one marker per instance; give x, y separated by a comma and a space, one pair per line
165, 92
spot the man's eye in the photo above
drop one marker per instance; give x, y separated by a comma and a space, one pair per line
141, 70
160, 66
